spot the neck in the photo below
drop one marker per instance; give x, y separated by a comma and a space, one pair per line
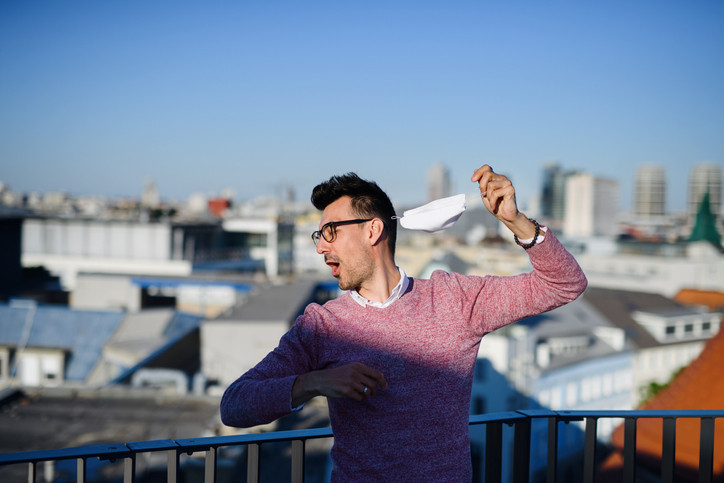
380, 286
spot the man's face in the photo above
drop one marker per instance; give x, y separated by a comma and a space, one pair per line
348, 254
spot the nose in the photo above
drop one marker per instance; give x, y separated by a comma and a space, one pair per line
322, 246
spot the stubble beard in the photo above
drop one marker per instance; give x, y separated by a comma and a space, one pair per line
353, 277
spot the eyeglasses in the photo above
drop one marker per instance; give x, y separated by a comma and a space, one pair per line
329, 230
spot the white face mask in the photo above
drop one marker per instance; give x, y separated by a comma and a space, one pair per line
434, 216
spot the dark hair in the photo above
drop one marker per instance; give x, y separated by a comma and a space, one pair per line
368, 200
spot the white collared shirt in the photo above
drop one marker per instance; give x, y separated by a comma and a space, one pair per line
397, 292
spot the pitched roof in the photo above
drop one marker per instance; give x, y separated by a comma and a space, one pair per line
708, 298
619, 305
698, 386
274, 302
82, 333
705, 226
578, 319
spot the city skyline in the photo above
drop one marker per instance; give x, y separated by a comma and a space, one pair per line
97, 98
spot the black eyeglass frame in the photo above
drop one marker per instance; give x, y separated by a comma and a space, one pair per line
333, 229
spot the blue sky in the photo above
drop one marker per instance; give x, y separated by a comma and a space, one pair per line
98, 96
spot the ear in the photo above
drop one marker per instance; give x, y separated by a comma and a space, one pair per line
376, 231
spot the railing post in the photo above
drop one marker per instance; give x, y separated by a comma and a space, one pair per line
668, 450
552, 466
629, 450
210, 466
80, 470
493, 452
298, 461
589, 455
252, 462
129, 469
31, 472
521, 451
706, 450
172, 470
49, 470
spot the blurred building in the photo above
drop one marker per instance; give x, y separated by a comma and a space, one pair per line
69, 246
704, 178
694, 388
270, 240
658, 267
553, 196
54, 346
11, 222
237, 341
650, 191
150, 198
591, 206
438, 182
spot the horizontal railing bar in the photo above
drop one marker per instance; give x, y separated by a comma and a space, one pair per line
157, 445
101, 450
653, 413
538, 413
118, 451
201, 444
504, 417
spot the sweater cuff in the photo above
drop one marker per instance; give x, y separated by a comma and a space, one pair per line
298, 408
540, 238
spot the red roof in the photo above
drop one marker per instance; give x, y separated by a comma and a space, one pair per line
699, 386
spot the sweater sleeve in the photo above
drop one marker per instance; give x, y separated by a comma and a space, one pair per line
556, 279
264, 393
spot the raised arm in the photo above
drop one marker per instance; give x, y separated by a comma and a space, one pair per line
498, 195
556, 278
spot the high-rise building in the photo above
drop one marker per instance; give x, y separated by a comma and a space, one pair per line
553, 195
704, 178
438, 182
150, 197
650, 191
591, 206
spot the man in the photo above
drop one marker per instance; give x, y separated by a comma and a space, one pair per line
395, 355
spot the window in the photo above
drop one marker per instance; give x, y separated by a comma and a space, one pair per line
586, 389
571, 394
607, 385
4, 364
596, 387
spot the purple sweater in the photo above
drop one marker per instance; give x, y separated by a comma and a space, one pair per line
425, 344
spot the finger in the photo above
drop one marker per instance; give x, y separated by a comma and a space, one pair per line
370, 387
478, 173
489, 182
497, 192
368, 391
370, 375
373, 377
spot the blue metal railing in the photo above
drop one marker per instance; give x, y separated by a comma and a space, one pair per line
520, 421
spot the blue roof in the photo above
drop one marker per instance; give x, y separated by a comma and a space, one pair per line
145, 282
80, 332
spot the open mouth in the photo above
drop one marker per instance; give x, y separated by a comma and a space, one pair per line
334, 265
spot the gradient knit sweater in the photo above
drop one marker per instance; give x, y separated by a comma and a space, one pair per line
425, 344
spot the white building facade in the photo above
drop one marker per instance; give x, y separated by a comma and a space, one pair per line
591, 206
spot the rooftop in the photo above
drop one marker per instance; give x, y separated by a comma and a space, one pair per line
698, 386
80, 332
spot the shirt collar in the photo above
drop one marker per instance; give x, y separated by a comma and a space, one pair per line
397, 292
